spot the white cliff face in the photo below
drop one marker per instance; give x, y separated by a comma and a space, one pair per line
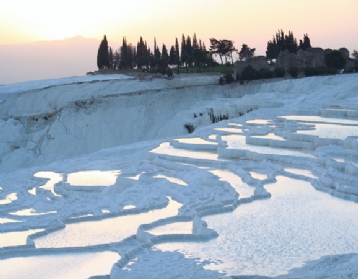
52, 122
59, 119
275, 164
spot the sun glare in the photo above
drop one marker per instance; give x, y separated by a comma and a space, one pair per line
60, 31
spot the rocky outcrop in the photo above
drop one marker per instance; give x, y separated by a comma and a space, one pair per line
311, 57
257, 62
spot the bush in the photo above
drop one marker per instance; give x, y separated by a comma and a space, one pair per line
228, 78
248, 73
221, 81
294, 72
350, 70
213, 63
335, 59
315, 71
331, 71
162, 71
322, 70
169, 73
279, 72
237, 77
310, 71
356, 65
264, 74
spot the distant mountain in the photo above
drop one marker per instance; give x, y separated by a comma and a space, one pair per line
48, 59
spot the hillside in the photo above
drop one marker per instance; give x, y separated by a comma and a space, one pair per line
181, 178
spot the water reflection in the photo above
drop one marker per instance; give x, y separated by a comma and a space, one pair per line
104, 231
31, 212
303, 172
257, 175
9, 199
15, 238
173, 228
8, 220
269, 136
81, 265
270, 237
244, 190
258, 121
92, 178
172, 179
53, 179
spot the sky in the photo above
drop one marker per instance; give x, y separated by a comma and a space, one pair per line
329, 23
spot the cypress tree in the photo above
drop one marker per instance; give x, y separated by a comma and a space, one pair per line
195, 42
141, 53
177, 56
155, 44
123, 63
110, 57
103, 55
164, 58
189, 51
306, 42
172, 56
157, 56
131, 56
183, 52
146, 54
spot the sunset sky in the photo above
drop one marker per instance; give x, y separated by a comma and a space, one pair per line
329, 23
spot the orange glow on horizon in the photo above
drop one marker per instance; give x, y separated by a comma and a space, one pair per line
252, 22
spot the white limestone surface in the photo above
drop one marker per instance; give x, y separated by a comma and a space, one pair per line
254, 208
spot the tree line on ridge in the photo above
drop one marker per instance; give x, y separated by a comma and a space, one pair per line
193, 52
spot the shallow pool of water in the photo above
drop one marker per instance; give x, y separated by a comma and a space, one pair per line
332, 131
9, 199
269, 136
173, 228
229, 130
319, 119
52, 177
8, 220
166, 148
172, 179
92, 178
239, 142
59, 266
303, 172
258, 121
15, 238
244, 190
257, 175
195, 141
213, 137
31, 212
270, 237
104, 231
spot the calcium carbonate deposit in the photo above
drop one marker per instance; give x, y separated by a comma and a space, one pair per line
110, 176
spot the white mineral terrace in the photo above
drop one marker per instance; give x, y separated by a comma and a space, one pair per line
102, 179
